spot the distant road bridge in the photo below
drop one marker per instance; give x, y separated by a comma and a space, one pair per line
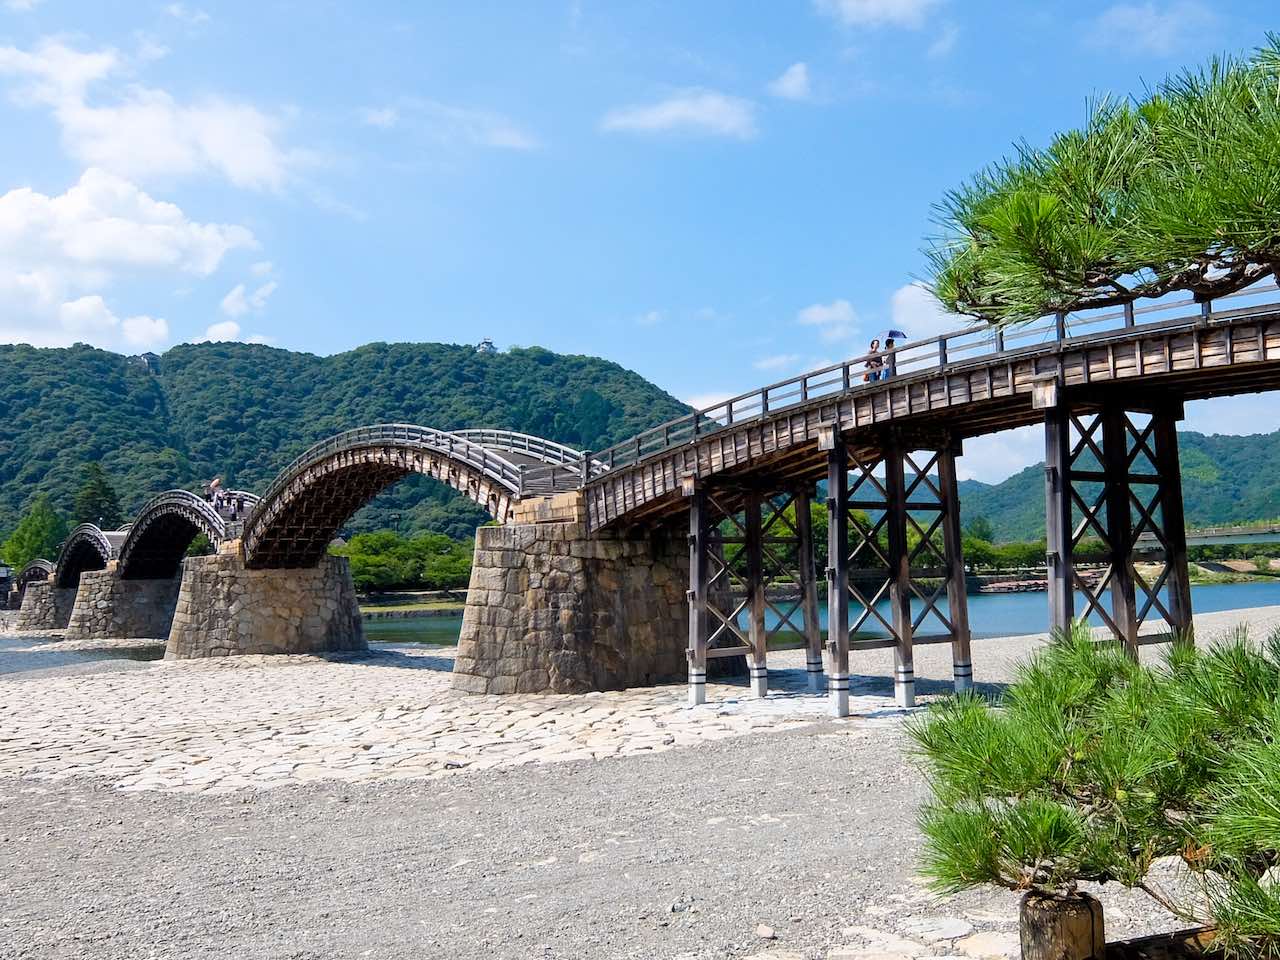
1226, 534
691, 546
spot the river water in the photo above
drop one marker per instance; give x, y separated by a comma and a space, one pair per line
990, 614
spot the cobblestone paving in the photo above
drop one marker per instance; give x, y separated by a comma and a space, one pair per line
256, 722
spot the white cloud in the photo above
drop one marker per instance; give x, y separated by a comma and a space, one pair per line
382, 117
688, 111
144, 331
189, 15
916, 311
793, 84
836, 320
945, 42
780, 361
997, 456
448, 124
700, 401
1151, 28
877, 13
223, 331
22, 6
142, 132
261, 268
237, 302
650, 318
86, 319
58, 254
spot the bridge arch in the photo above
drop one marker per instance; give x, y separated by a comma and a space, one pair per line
164, 529
34, 572
87, 548
315, 495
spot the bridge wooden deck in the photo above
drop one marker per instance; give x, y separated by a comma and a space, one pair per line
1204, 354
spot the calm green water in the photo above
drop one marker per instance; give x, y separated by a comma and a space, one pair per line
990, 614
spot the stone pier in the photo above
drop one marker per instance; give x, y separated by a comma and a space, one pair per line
108, 606
551, 608
226, 609
45, 607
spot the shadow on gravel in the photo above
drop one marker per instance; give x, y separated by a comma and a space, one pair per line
792, 680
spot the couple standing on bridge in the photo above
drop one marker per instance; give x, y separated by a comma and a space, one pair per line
881, 364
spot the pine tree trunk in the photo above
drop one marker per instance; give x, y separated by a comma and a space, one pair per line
1066, 928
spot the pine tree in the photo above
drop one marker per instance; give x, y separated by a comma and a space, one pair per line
97, 501
36, 536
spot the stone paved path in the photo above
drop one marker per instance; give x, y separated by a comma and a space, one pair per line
257, 722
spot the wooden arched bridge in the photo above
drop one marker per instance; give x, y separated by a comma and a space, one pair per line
692, 543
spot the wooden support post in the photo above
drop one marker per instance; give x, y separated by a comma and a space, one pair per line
757, 664
699, 583
957, 595
1173, 521
1057, 514
1115, 451
808, 589
838, 578
904, 676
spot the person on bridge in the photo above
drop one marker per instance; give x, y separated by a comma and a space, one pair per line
890, 362
873, 362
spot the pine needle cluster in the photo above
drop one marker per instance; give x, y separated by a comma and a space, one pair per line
1175, 191
1091, 767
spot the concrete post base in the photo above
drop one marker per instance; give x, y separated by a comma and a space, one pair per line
813, 673
553, 609
107, 606
45, 607
225, 609
838, 691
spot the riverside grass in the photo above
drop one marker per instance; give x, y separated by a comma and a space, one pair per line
1091, 767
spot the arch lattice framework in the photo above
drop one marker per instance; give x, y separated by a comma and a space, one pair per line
164, 529
34, 572
86, 548
316, 494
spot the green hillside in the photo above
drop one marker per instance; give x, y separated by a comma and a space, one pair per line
244, 411
1225, 479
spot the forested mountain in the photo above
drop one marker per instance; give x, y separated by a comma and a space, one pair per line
245, 410
1225, 479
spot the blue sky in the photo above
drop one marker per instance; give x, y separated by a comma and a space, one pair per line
715, 194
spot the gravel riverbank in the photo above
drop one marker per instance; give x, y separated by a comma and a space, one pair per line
787, 824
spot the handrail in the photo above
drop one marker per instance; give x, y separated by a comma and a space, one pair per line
548, 451
959, 348
212, 520
85, 531
438, 441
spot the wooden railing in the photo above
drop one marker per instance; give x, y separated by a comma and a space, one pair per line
450, 445
971, 346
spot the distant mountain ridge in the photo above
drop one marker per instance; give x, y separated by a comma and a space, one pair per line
1225, 479
245, 410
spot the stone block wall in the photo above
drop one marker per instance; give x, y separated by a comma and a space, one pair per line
551, 609
108, 606
225, 609
45, 607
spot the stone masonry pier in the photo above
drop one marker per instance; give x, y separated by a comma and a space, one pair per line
106, 605
551, 609
226, 609
45, 607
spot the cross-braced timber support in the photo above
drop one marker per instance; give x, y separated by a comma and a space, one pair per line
894, 539
1111, 477
752, 577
